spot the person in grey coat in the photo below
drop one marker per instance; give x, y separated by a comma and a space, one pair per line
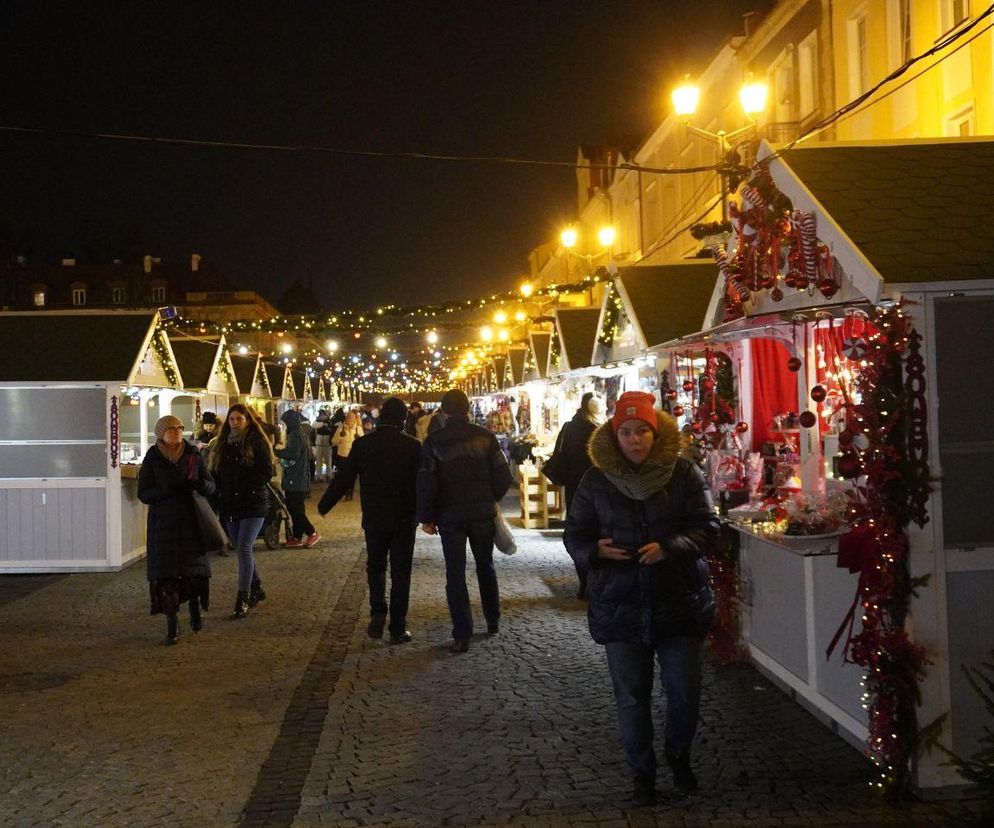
295, 457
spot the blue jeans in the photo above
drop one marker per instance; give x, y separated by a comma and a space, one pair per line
480, 534
631, 668
243, 532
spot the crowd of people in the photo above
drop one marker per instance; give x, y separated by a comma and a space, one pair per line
640, 523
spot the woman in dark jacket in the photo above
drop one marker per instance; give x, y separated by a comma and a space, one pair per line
176, 560
641, 523
295, 456
241, 460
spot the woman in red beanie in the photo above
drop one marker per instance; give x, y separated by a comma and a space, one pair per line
641, 523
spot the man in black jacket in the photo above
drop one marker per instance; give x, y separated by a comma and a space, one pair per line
463, 475
386, 463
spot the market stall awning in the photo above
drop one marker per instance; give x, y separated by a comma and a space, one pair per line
541, 342
247, 373
577, 328
198, 361
516, 359
84, 346
666, 302
275, 376
899, 212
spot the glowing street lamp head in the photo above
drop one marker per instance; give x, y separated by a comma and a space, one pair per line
500, 317
331, 345
520, 316
685, 98
752, 96
381, 343
286, 348
503, 335
606, 236
568, 237
527, 289
243, 349
486, 333
432, 337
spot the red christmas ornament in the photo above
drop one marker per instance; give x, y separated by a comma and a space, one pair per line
828, 288
677, 411
807, 419
715, 418
742, 427
708, 383
818, 393
801, 281
671, 394
794, 364
688, 385
776, 294
695, 427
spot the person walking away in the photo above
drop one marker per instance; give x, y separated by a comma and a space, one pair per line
177, 566
641, 523
242, 462
322, 445
415, 412
386, 462
435, 422
463, 476
295, 457
347, 433
571, 445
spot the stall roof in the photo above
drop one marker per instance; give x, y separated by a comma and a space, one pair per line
275, 374
73, 346
667, 301
578, 332
914, 210
245, 368
195, 358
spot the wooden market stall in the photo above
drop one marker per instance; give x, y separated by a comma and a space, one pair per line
855, 297
208, 375
79, 394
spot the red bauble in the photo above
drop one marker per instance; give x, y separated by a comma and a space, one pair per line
677, 411
695, 427
845, 438
828, 288
794, 364
688, 385
776, 294
708, 383
742, 427
818, 393
801, 281
807, 419
671, 394
715, 418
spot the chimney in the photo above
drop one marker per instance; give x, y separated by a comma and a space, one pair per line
147, 263
195, 262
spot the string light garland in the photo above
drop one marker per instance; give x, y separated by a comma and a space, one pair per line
612, 312
160, 344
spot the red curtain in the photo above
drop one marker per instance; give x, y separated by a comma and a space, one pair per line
774, 387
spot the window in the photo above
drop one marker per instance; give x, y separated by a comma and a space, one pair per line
118, 295
159, 293
38, 297
859, 55
782, 88
79, 296
899, 32
954, 12
807, 75
960, 124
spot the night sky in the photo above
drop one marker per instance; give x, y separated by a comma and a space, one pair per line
524, 79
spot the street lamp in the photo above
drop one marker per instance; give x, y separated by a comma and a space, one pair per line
570, 236
752, 97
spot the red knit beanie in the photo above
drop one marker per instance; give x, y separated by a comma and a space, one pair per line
635, 405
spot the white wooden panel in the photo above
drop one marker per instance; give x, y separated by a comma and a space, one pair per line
49, 526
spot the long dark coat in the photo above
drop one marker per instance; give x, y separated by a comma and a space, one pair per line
572, 445
174, 545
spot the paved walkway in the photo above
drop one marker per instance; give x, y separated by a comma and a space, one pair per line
294, 717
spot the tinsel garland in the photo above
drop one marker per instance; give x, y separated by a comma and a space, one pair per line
724, 639
884, 499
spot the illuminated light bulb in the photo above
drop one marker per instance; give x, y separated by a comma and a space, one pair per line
286, 347
520, 316
331, 345
568, 237
500, 317
685, 98
527, 289
503, 335
432, 337
486, 333
242, 349
606, 236
380, 342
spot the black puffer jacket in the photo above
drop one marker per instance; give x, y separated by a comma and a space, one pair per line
629, 601
174, 546
386, 463
242, 491
463, 473
572, 445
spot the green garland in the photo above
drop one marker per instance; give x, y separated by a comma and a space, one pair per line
612, 311
161, 347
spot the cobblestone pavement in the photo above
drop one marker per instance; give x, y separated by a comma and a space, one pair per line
294, 717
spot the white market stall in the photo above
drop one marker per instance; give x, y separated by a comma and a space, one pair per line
208, 377
71, 383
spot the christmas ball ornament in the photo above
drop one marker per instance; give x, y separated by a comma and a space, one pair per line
828, 288
854, 347
742, 427
695, 427
818, 393
807, 419
677, 411
671, 394
845, 438
715, 418
708, 383
776, 294
688, 385
794, 364
801, 282
849, 466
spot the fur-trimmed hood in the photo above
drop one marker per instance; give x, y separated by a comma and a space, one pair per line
654, 474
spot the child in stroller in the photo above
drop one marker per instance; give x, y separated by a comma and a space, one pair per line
276, 515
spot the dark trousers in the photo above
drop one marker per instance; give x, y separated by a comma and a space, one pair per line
632, 666
480, 534
295, 506
397, 548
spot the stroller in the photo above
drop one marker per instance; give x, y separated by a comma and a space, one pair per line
276, 515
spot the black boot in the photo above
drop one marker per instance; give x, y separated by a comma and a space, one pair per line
196, 621
172, 629
643, 792
241, 604
683, 777
256, 594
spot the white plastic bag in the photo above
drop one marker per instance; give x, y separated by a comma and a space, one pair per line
503, 539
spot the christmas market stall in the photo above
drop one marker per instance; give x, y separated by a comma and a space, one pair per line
208, 373
253, 384
79, 394
855, 293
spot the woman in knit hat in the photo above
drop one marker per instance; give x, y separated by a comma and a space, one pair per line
176, 560
640, 524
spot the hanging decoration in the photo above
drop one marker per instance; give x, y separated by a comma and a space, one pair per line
612, 312
890, 484
115, 432
160, 344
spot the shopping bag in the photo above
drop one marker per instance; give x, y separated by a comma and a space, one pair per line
211, 530
503, 539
